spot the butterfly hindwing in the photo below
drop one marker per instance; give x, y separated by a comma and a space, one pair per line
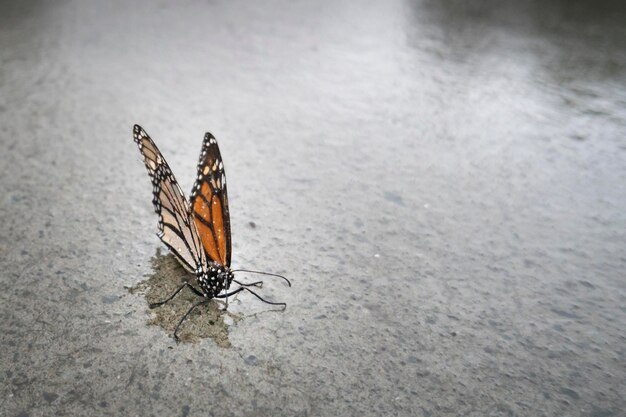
176, 227
209, 203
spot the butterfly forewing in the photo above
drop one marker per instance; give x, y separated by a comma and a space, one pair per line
209, 203
176, 228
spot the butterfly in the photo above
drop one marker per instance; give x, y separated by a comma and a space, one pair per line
197, 231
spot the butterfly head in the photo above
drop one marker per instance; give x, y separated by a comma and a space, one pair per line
225, 276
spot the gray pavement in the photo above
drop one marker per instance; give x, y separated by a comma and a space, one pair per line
443, 182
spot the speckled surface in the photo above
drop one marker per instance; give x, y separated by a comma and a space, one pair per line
444, 184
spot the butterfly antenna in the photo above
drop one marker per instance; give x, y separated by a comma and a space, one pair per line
263, 273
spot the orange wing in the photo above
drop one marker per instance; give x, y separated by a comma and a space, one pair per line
209, 203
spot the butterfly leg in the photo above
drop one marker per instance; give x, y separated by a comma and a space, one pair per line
228, 294
258, 284
186, 284
180, 322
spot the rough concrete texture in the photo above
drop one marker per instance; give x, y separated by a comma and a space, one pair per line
444, 183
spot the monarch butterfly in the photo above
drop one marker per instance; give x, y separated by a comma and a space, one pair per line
196, 232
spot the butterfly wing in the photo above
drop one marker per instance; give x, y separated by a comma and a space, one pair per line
209, 203
176, 227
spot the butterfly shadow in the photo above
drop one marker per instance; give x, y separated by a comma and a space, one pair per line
206, 321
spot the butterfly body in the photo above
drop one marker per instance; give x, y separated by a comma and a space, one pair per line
212, 282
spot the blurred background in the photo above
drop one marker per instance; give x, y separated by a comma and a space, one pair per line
443, 181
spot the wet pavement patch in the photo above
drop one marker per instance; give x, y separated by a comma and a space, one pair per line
205, 321
50, 396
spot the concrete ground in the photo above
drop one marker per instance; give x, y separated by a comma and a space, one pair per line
443, 181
